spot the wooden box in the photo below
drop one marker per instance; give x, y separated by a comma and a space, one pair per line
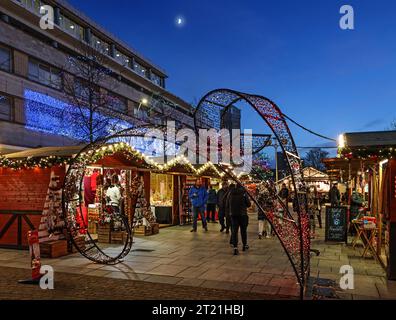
53, 249
93, 214
118, 237
143, 231
92, 227
155, 228
104, 233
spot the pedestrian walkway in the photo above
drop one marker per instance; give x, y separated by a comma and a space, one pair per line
370, 280
178, 257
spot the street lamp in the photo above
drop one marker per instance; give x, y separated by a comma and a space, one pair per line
274, 143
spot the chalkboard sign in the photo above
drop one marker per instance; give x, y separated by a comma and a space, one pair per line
336, 224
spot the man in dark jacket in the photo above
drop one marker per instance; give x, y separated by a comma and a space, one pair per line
211, 205
334, 196
198, 197
284, 194
238, 202
221, 204
227, 210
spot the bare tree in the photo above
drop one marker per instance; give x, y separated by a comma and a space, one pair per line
393, 125
92, 112
314, 158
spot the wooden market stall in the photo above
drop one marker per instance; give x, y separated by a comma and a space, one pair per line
367, 166
31, 191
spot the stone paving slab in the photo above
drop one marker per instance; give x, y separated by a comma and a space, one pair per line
205, 260
81, 287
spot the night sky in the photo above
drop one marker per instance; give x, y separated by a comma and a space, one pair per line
290, 51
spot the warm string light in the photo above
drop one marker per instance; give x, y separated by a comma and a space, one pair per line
92, 156
366, 154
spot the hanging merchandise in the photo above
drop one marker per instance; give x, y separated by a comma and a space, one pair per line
143, 213
52, 222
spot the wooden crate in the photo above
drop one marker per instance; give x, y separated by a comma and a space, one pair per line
155, 228
92, 227
104, 233
93, 214
118, 237
53, 249
143, 231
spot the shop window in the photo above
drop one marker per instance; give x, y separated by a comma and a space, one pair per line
5, 108
45, 74
5, 59
161, 190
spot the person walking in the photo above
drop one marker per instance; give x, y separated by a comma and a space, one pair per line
221, 194
198, 197
238, 201
211, 205
227, 211
334, 196
264, 227
284, 194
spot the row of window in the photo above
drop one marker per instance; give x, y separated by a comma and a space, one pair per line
78, 32
45, 74
52, 77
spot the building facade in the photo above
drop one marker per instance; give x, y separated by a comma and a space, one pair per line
33, 70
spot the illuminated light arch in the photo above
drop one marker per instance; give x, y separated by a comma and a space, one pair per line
72, 201
293, 230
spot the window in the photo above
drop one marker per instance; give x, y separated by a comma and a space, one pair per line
140, 112
81, 91
5, 59
122, 58
45, 74
140, 69
117, 103
100, 45
5, 107
156, 79
32, 5
71, 27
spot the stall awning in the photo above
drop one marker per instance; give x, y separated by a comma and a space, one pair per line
370, 139
119, 154
338, 168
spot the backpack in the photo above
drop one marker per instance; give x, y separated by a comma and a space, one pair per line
238, 202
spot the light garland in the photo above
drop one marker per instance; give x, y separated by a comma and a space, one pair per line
367, 153
85, 157
209, 165
91, 156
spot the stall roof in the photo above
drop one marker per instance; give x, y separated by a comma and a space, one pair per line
310, 174
374, 138
337, 167
46, 152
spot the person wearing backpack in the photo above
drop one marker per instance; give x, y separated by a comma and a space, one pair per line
239, 202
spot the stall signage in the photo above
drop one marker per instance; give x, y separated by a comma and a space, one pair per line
336, 224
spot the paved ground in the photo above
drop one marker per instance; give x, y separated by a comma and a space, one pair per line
370, 278
176, 258
83, 287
